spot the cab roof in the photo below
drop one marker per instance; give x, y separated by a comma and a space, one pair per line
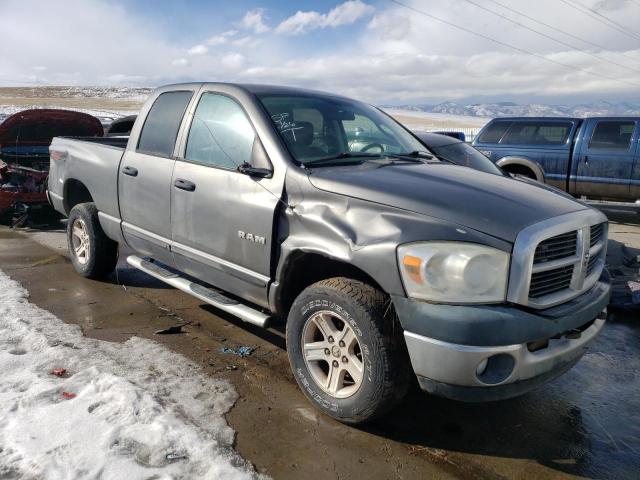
265, 89
536, 119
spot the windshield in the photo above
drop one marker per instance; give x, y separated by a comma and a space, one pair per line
316, 127
466, 155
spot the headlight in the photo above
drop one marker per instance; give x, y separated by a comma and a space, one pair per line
454, 272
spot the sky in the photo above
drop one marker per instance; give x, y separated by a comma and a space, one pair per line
381, 51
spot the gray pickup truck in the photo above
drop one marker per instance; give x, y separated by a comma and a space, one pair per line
387, 262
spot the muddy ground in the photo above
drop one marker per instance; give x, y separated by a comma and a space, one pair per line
584, 424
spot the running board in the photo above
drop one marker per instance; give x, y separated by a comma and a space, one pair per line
208, 295
631, 207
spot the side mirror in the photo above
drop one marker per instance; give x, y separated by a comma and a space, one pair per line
252, 171
260, 165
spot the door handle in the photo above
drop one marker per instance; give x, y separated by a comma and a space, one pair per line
184, 185
132, 172
586, 159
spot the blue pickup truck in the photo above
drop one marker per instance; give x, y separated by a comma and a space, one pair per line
598, 158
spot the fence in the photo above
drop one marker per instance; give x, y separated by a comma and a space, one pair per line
469, 132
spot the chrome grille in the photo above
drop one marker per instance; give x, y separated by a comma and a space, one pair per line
593, 261
596, 234
558, 259
550, 281
560, 246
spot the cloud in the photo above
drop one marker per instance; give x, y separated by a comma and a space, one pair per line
230, 37
254, 20
394, 26
347, 13
610, 5
409, 77
180, 62
400, 56
247, 41
344, 14
300, 22
137, 52
221, 39
124, 79
233, 60
198, 50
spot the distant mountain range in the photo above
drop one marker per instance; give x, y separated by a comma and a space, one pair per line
505, 109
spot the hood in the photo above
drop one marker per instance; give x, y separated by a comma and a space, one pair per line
25, 136
37, 127
492, 204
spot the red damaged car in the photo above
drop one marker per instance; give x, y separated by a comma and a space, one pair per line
24, 152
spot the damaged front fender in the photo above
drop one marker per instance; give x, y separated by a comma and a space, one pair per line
360, 233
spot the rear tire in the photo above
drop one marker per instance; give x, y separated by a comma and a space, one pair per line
93, 254
343, 353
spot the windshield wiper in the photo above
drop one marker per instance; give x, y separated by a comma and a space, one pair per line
415, 157
447, 160
414, 154
427, 156
341, 156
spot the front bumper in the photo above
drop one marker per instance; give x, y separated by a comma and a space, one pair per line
495, 352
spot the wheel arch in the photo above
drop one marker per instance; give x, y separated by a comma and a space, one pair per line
517, 163
75, 192
302, 269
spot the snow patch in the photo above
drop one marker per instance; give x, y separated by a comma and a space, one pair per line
140, 411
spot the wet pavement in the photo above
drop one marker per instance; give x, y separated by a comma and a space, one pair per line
584, 424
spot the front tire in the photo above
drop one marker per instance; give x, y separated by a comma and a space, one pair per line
93, 254
344, 355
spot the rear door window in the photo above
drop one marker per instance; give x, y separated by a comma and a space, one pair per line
160, 130
537, 133
612, 135
494, 132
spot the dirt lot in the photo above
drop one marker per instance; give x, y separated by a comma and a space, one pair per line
586, 423
74, 97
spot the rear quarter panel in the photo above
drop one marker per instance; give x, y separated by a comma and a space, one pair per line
553, 159
92, 164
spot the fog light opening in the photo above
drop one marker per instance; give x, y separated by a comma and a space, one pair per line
482, 366
495, 369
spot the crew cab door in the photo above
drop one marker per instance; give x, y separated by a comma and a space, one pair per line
222, 219
605, 161
144, 178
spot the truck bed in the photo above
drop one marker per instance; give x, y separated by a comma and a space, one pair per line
117, 142
92, 161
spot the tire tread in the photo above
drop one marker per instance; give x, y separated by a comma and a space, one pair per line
105, 256
397, 371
